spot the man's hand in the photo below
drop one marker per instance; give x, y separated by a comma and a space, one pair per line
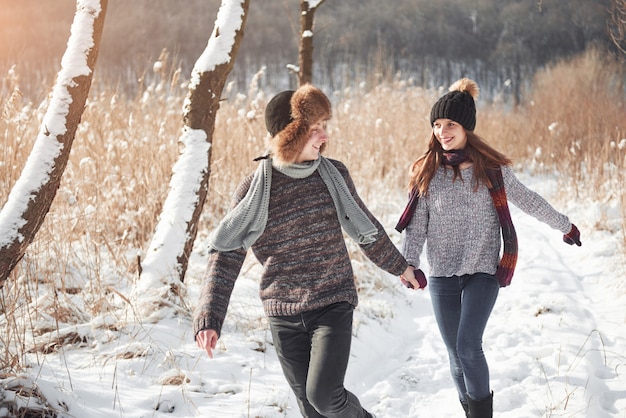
207, 339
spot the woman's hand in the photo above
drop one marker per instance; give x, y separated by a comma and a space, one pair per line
413, 278
573, 237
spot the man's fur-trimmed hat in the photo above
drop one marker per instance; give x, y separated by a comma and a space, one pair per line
288, 117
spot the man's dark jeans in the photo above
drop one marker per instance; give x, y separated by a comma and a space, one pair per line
313, 348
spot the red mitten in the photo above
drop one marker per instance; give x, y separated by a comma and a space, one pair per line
572, 237
420, 277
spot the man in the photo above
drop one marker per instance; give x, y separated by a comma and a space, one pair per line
291, 213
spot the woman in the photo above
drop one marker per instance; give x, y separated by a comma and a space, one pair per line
458, 206
291, 213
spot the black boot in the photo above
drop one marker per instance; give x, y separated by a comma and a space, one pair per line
481, 409
466, 409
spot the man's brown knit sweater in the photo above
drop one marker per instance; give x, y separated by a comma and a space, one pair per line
303, 252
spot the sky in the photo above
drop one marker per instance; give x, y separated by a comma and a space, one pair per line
556, 341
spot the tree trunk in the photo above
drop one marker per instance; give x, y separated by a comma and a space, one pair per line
168, 255
33, 193
305, 49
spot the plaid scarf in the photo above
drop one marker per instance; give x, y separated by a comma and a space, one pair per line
506, 267
505, 270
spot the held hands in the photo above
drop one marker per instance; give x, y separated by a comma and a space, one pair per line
572, 237
413, 278
207, 340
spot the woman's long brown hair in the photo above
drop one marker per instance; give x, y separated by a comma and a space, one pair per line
483, 157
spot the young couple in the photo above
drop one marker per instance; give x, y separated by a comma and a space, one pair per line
291, 213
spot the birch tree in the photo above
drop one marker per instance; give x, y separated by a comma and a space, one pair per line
305, 46
32, 195
166, 260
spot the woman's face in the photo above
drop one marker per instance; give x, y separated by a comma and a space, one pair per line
317, 138
450, 134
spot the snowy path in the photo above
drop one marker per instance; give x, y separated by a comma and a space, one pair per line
556, 342
556, 345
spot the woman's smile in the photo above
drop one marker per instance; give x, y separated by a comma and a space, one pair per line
450, 134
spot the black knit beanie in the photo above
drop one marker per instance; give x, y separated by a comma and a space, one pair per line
457, 105
278, 112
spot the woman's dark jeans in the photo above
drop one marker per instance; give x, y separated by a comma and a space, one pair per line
462, 306
313, 348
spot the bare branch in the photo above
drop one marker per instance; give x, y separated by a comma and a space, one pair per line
616, 26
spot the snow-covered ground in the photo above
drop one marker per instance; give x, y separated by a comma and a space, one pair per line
556, 342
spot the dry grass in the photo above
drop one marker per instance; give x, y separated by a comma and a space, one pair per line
575, 116
22, 398
117, 178
573, 125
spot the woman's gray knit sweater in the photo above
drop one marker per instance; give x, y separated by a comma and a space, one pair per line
462, 227
303, 252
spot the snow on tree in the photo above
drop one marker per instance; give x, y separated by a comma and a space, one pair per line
32, 195
165, 262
